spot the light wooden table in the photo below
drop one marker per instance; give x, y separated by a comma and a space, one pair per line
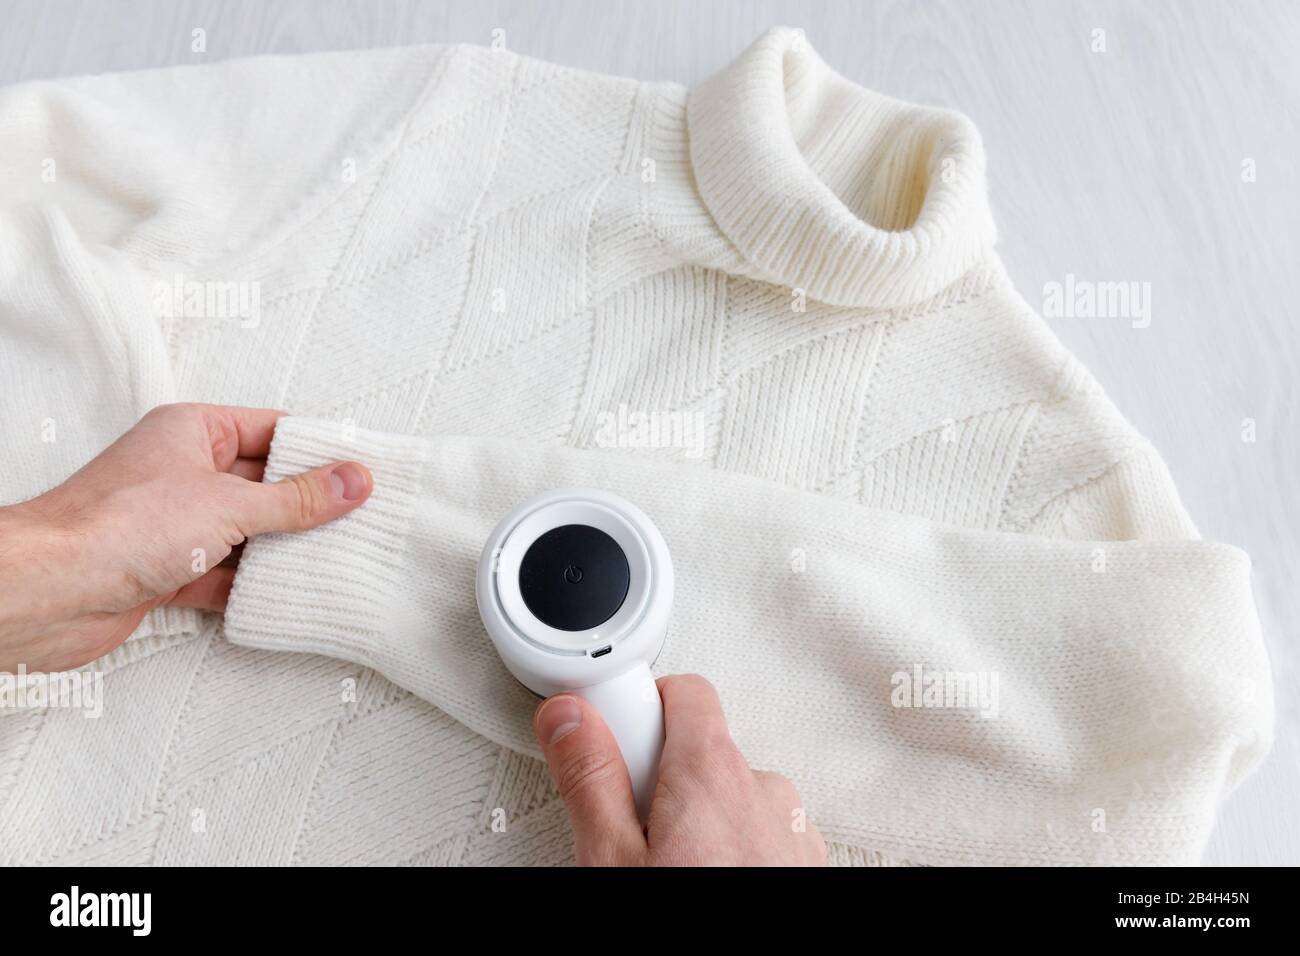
1125, 164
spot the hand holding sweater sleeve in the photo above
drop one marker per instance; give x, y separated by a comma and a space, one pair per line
1116, 681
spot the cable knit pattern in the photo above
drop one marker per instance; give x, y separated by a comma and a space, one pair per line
766, 309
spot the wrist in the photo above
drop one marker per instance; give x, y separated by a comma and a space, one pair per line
38, 559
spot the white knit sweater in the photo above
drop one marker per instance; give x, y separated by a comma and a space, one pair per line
767, 310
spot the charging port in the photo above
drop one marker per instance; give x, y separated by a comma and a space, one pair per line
602, 651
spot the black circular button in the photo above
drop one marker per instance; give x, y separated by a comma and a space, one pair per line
574, 577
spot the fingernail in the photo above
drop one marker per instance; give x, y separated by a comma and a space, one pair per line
558, 717
348, 481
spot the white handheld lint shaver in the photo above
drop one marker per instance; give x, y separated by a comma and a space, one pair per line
575, 588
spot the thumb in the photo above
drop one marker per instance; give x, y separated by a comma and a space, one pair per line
302, 501
592, 779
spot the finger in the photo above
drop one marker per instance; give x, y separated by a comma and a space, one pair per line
781, 794
693, 717
250, 469
589, 772
777, 787
238, 432
815, 847
300, 501
207, 593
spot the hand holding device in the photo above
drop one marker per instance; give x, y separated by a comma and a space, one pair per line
575, 587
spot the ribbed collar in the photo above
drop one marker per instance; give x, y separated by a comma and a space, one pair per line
857, 198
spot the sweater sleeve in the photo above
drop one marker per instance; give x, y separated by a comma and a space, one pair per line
1125, 679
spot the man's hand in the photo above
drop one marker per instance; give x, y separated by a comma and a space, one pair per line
709, 809
149, 522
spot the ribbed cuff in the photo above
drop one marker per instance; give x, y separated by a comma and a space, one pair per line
329, 591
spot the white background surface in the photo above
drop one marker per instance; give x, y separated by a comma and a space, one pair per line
1124, 165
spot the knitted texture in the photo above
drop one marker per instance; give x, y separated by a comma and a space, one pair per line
767, 310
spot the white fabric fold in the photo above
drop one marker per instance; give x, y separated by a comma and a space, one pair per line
1126, 687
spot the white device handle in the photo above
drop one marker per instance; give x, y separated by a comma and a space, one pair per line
634, 713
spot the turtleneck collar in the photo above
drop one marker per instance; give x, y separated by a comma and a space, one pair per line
857, 198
